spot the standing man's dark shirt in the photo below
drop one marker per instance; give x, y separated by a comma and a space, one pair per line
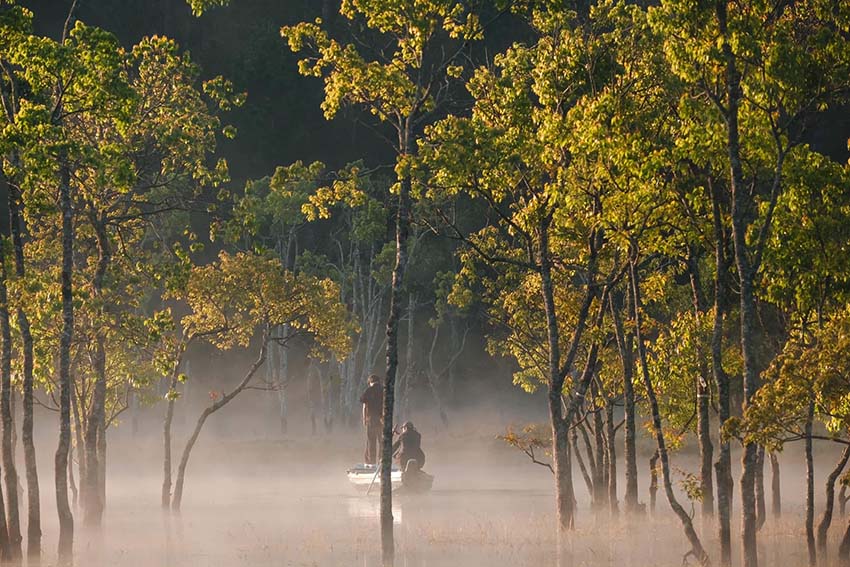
373, 402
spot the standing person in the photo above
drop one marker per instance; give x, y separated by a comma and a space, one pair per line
373, 400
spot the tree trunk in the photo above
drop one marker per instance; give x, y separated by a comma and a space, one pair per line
826, 518
600, 481
776, 487
91, 483
761, 509
8, 456
402, 233
625, 345
612, 457
741, 208
653, 481
177, 500
723, 466
165, 493
582, 467
703, 392
66, 518
810, 489
693, 539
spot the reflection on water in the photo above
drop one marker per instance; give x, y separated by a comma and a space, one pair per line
369, 508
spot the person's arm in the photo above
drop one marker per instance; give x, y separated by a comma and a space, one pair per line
364, 413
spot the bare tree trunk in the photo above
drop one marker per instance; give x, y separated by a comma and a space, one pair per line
761, 508
723, 466
826, 518
625, 346
653, 481
776, 487
582, 467
72, 483
600, 481
177, 500
810, 489
691, 534
66, 518
402, 233
8, 456
612, 457
741, 209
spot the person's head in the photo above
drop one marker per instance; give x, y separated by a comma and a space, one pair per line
374, 379
408, 426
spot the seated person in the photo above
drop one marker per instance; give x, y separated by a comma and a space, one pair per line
408, 447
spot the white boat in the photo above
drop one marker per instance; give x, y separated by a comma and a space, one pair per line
362, 475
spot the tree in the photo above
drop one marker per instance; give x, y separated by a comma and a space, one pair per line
237, 295
402, 88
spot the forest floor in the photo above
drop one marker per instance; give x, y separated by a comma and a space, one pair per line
288, 503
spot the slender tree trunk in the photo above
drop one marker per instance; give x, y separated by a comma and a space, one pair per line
826, 518
842, 498
612, 457
761, 508
653, 481
703, 392
582, 467
66, 518
402, 233
8, 456
810, 489
31, 470
625, 345
691, 534
91, 482
165, 493
776, 487
844, 548
741, 207
72, 483
600, 482
723, 467
177, 500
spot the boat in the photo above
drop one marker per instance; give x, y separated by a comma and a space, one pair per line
364, 475
414, 481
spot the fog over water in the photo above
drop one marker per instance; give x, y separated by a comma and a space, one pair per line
254, 497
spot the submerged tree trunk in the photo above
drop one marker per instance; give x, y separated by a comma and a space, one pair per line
826, 518
402, 233
177, 500
688, 526
776, 487
66, 518
30, 467
8, 456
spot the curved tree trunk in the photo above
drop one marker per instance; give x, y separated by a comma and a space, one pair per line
693, 539
826, 518
177, 500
